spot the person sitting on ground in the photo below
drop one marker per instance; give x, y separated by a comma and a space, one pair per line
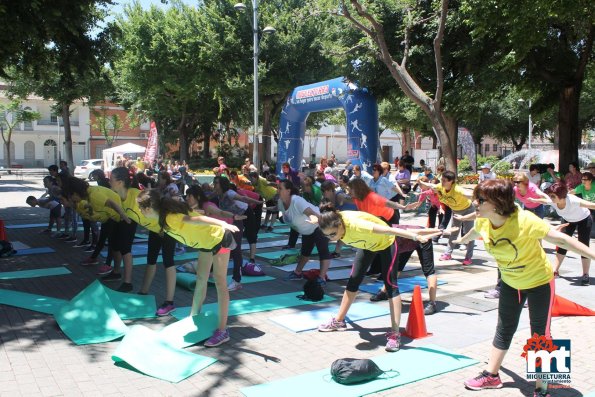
486, 173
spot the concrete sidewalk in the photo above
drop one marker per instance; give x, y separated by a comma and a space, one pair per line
36, 358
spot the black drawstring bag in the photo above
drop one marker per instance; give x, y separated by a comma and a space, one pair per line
312, 291
347, 371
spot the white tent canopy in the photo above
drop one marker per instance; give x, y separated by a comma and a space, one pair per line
111, 155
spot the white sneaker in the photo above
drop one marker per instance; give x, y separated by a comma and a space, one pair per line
234, 286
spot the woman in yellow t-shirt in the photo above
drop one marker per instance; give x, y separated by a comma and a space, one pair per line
512, 236
372, 237
212, 237
457, 199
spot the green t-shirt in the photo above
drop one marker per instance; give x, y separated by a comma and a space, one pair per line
587, 195
547, 177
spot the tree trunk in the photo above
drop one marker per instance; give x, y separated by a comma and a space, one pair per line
447, 129
434, 141
267, 115
569, 133
206, 147
67, 136
8, 158
183, 139
405, 140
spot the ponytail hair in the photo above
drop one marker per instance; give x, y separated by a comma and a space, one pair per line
329, 217
199, 194
72, 185
123, 174
161, 204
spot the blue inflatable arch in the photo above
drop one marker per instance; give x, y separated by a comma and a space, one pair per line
361, 111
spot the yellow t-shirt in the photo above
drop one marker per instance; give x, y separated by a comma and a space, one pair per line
83, 210
191, 234
455, 198
515, 246
265, 190
98, 195
358, 231
130, 206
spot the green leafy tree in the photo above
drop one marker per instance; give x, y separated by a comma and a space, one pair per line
11, 115
109, 125
548, 44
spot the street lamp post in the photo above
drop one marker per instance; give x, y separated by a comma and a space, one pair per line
256, 41
521, 100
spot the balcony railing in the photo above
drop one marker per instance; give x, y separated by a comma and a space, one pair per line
73, 123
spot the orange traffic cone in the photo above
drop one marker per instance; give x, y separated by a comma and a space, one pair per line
2, 230
565, 307
416, 322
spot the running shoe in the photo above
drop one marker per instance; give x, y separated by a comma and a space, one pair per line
492, 294
218, 338
81, 244
335, 255
90, 248
165, 309
62, 236
556, 275
71, 239
393, 341
112, 277
484, 380
381, 295
234, 286
585, 280
541, 393
430, 308
333, 325
89, 261
467, 262
445, 257
104, 269
125, 287
321, 282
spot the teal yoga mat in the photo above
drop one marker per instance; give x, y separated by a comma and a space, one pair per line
412, 365
30, 225
36, 303
145, 351
190, 330
309, 320
405, 284
188, 280
264, 235
131, 306
254, 305
34, 251
51, 271
90, 317
293, 251
186, 256
281, 230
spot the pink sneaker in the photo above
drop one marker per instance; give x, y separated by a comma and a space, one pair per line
165, 309
89, 261
445, 257
393, 341
467, 262
104, 269
484, 381
218, 338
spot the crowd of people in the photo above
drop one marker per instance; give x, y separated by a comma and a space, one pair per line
346, 205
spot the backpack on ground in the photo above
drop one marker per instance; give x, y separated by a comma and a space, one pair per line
6, 249
313, 291
348, 371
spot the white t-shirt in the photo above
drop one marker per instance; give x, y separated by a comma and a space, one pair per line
486, 177
573, 212
535, 179
295, 216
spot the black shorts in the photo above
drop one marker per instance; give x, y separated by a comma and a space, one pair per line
227, 242
122, 237
164, 243
56, 212
318, 239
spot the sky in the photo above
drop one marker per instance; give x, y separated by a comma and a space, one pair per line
119, 5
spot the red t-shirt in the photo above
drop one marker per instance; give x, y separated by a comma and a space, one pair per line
375, 204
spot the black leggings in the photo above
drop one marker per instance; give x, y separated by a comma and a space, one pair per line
583, 229
389, 270
236, 253
446, 219
105, 234
425, 252
432, 213
250, 227
123, 237
510, 306
166, 244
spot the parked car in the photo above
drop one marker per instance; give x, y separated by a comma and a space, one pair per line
85, 169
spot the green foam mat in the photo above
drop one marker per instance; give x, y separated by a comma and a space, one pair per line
186, 256
131, 306
36, 303
254, 305
188, 280
90, 317
32, 273
281, 230
411, 365
145, 351
190, 330
293, 251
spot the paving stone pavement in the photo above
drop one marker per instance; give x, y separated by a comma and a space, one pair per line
36, 358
